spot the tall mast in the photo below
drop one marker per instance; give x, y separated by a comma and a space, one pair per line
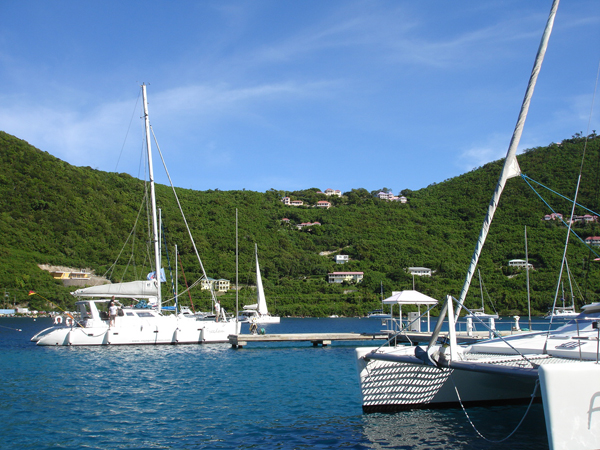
511, 166
237, 309
152, 198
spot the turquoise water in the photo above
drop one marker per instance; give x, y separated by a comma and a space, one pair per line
280, 396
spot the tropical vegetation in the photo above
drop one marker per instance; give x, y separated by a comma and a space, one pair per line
55, 213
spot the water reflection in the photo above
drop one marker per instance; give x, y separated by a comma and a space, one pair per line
450, 429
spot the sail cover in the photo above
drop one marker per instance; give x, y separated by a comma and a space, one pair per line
133, 289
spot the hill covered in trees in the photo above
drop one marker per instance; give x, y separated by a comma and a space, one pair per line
55, 213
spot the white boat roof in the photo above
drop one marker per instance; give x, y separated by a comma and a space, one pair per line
409, 297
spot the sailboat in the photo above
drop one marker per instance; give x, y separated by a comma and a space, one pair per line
564, 312
479, 314
379, 313
258, 312
143, 323
560, 365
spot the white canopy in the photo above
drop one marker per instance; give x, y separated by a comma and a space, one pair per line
409, 297
133, 289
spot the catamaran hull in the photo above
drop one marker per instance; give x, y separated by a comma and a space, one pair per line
196, 332
571, 397
389, 386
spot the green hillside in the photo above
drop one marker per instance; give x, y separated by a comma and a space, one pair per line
55, 213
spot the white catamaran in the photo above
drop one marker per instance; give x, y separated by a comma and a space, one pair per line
136, 325
258, 312
562, 364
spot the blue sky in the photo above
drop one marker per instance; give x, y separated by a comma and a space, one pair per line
294, 94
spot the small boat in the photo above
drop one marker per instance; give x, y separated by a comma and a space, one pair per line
137, 305
379, 313
258, 312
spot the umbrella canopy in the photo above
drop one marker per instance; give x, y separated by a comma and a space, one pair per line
409, 297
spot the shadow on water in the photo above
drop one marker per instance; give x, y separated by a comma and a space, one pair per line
449, 428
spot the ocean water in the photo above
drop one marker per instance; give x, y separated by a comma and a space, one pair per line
264, 396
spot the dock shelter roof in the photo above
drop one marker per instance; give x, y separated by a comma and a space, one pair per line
409, 297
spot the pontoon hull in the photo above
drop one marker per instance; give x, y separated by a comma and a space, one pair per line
389, 386
168, 331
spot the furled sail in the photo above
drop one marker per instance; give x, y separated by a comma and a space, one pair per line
133, 289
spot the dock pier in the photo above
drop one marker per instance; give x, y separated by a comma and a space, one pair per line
322, 339
325, 339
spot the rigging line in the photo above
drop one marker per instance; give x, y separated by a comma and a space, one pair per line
562, 220
164, 234
212, 291
488, 296
127, 133
574, 203
564, 258
499, 336
537, 382
178, 256
525, 177
403, 328
188, 289
131, 233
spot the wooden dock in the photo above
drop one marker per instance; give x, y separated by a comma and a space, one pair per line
324, 339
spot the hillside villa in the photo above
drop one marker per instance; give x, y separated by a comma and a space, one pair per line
221, 285
340, 277
519, 263
391, 197
420, 271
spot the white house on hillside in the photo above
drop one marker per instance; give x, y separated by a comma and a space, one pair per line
420, 271
340, 277
221, 285
341, 259
520, 263
333, 192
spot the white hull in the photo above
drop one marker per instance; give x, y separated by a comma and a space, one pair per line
571, 405
267, 319
388, 386
253, 316
134, 330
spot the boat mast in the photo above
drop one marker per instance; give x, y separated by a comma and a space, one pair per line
527, 272
152, 198
511, 166
481, 291
237, 304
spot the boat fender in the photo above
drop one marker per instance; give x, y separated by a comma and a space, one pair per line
68, 321
262, 331
57, 320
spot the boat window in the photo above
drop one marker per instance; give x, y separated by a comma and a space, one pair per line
129, 313
145, 314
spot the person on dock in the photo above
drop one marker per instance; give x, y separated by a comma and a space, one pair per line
112, 313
